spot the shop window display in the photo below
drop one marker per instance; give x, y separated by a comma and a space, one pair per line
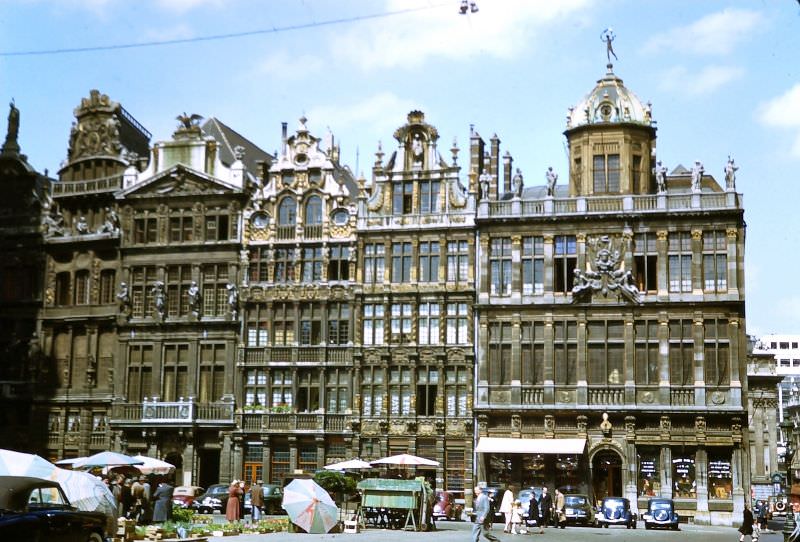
720, 481
649, 479
684, 485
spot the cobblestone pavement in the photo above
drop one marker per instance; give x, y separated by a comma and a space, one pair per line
460, 532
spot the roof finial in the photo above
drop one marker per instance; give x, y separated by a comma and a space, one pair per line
608, 36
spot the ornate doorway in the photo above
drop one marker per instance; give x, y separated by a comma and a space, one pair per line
606, 474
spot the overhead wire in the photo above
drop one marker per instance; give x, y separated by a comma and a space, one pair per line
273, 30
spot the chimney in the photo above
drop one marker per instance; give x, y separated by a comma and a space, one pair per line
507, 171
494, 162
284, 138
476, 146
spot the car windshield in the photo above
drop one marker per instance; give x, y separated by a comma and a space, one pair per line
574, 500
614, 503
661, 505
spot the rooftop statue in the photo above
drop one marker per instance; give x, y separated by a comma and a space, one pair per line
697, 176
661, 177
189, 121
552, 179
608, 36
730, 174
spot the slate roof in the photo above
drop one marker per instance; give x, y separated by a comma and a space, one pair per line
229, 139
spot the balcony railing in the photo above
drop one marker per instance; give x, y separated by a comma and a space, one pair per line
681, 397
172, 413
106, 184
286, 233
282, 421
312, 231
337, 355
507, 396
606, 396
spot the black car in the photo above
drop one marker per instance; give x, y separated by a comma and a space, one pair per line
660, 513
215, 499
616, 511
273, 498
36, 509
578, 510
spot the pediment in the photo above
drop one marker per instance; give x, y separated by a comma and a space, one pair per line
179, 181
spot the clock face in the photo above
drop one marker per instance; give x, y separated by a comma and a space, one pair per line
340, 217
260, 220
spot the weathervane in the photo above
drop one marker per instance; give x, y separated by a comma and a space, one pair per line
608, 36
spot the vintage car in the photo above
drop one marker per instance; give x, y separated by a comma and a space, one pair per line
616, 511
184, 496
660, 513
578, 510
447, 506
36, 509
273, 498
213, 500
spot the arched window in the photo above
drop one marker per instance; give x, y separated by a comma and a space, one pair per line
313, 218
287, 218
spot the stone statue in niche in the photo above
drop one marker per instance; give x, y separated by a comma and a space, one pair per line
605, 425
124, 298
233, 299
193, 293
82, 227
159, 298
417, 151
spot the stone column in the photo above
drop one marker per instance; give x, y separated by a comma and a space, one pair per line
698, 334
188, 460
225, 463
733, 262
772, 431
663, 359
516, 268
516, 367
482, 395
697, 262
266, 458
548, 370
238, 457
666, 471
629, 368
758, 434
662, 247
702, 516
581, 371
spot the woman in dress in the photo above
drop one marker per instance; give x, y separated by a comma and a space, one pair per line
232, 509
505, 508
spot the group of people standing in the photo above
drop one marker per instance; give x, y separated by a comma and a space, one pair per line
542, 512
136, 498
234, 510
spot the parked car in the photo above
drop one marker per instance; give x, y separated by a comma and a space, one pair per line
578, 510
184, 496
36, 509
273, 498
446, 506
616, 511
660, 513
213, 500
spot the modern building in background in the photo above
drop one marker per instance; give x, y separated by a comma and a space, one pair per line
244, 315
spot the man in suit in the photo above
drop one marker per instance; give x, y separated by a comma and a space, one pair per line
546, 505
482, 517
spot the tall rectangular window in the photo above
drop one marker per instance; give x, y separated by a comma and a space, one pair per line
681, 353
401, 318
283, 324
565, 352
215, 291
500, 265
606, 174
716, 350
372, 390
140, 372
82, 287
307, 390
373, 323
142, 279
428, 323
212, 372
175, 372
457, 261
427, 390
455, 467
680, 262
636, 173
279, 464
310, 324
402, 195
645, 262
253, 462
400, 391
606, 349
255, 387
457, 324
428, 196
179, 279
217, 227
63, 289
338, 323
260, 260
533, 265
500, 353
565, 258
312, 264
337, 390
283, 266
401, 263
108, 278
281, 388
532, 353
145, 231
181, 229
339, 263
456, 389
429, 261
715, 261
258, 320
374, 263
646, 352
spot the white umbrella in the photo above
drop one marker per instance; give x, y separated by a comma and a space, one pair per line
69, 462
351, 464
106, 459
406, 460
153, 466
309, 506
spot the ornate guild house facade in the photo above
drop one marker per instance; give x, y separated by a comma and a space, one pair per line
248, 316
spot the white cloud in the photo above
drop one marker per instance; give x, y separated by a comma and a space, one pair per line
379, 112
715, 34
499, 29
784, 112
282, 65
703, 81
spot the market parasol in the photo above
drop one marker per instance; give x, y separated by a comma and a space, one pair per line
106, 459
350, 464
151, 465
309, 506
406, 460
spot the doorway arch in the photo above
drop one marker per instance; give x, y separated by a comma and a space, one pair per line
606, 474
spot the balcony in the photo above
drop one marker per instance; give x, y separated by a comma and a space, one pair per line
94, 186
323, 355
186, 412
292, 422
312, 231
286, 233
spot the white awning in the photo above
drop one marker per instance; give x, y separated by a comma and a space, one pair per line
497, 445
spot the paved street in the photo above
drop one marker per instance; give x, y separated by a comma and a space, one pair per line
460, 532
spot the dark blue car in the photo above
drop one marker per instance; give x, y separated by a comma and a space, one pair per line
616, 511
660, 514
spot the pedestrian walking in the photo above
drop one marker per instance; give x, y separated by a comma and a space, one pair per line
763, 515
162, 511
256, 500
505, 508
232, 508
546, 505
534, 517
482, 517
747, 526
560, 516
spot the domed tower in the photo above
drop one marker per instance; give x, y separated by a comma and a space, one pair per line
612, 140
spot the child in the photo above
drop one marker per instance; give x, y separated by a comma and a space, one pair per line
516, 517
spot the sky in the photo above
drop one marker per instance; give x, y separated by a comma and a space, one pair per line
723, 78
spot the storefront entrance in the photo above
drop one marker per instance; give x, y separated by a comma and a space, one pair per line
606, 475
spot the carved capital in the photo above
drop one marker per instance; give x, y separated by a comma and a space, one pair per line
662, 235
732, 233
697, 235
580, 237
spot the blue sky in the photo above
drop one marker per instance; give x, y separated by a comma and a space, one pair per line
723, 77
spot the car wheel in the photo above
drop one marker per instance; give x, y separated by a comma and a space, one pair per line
647, 526
94, 537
